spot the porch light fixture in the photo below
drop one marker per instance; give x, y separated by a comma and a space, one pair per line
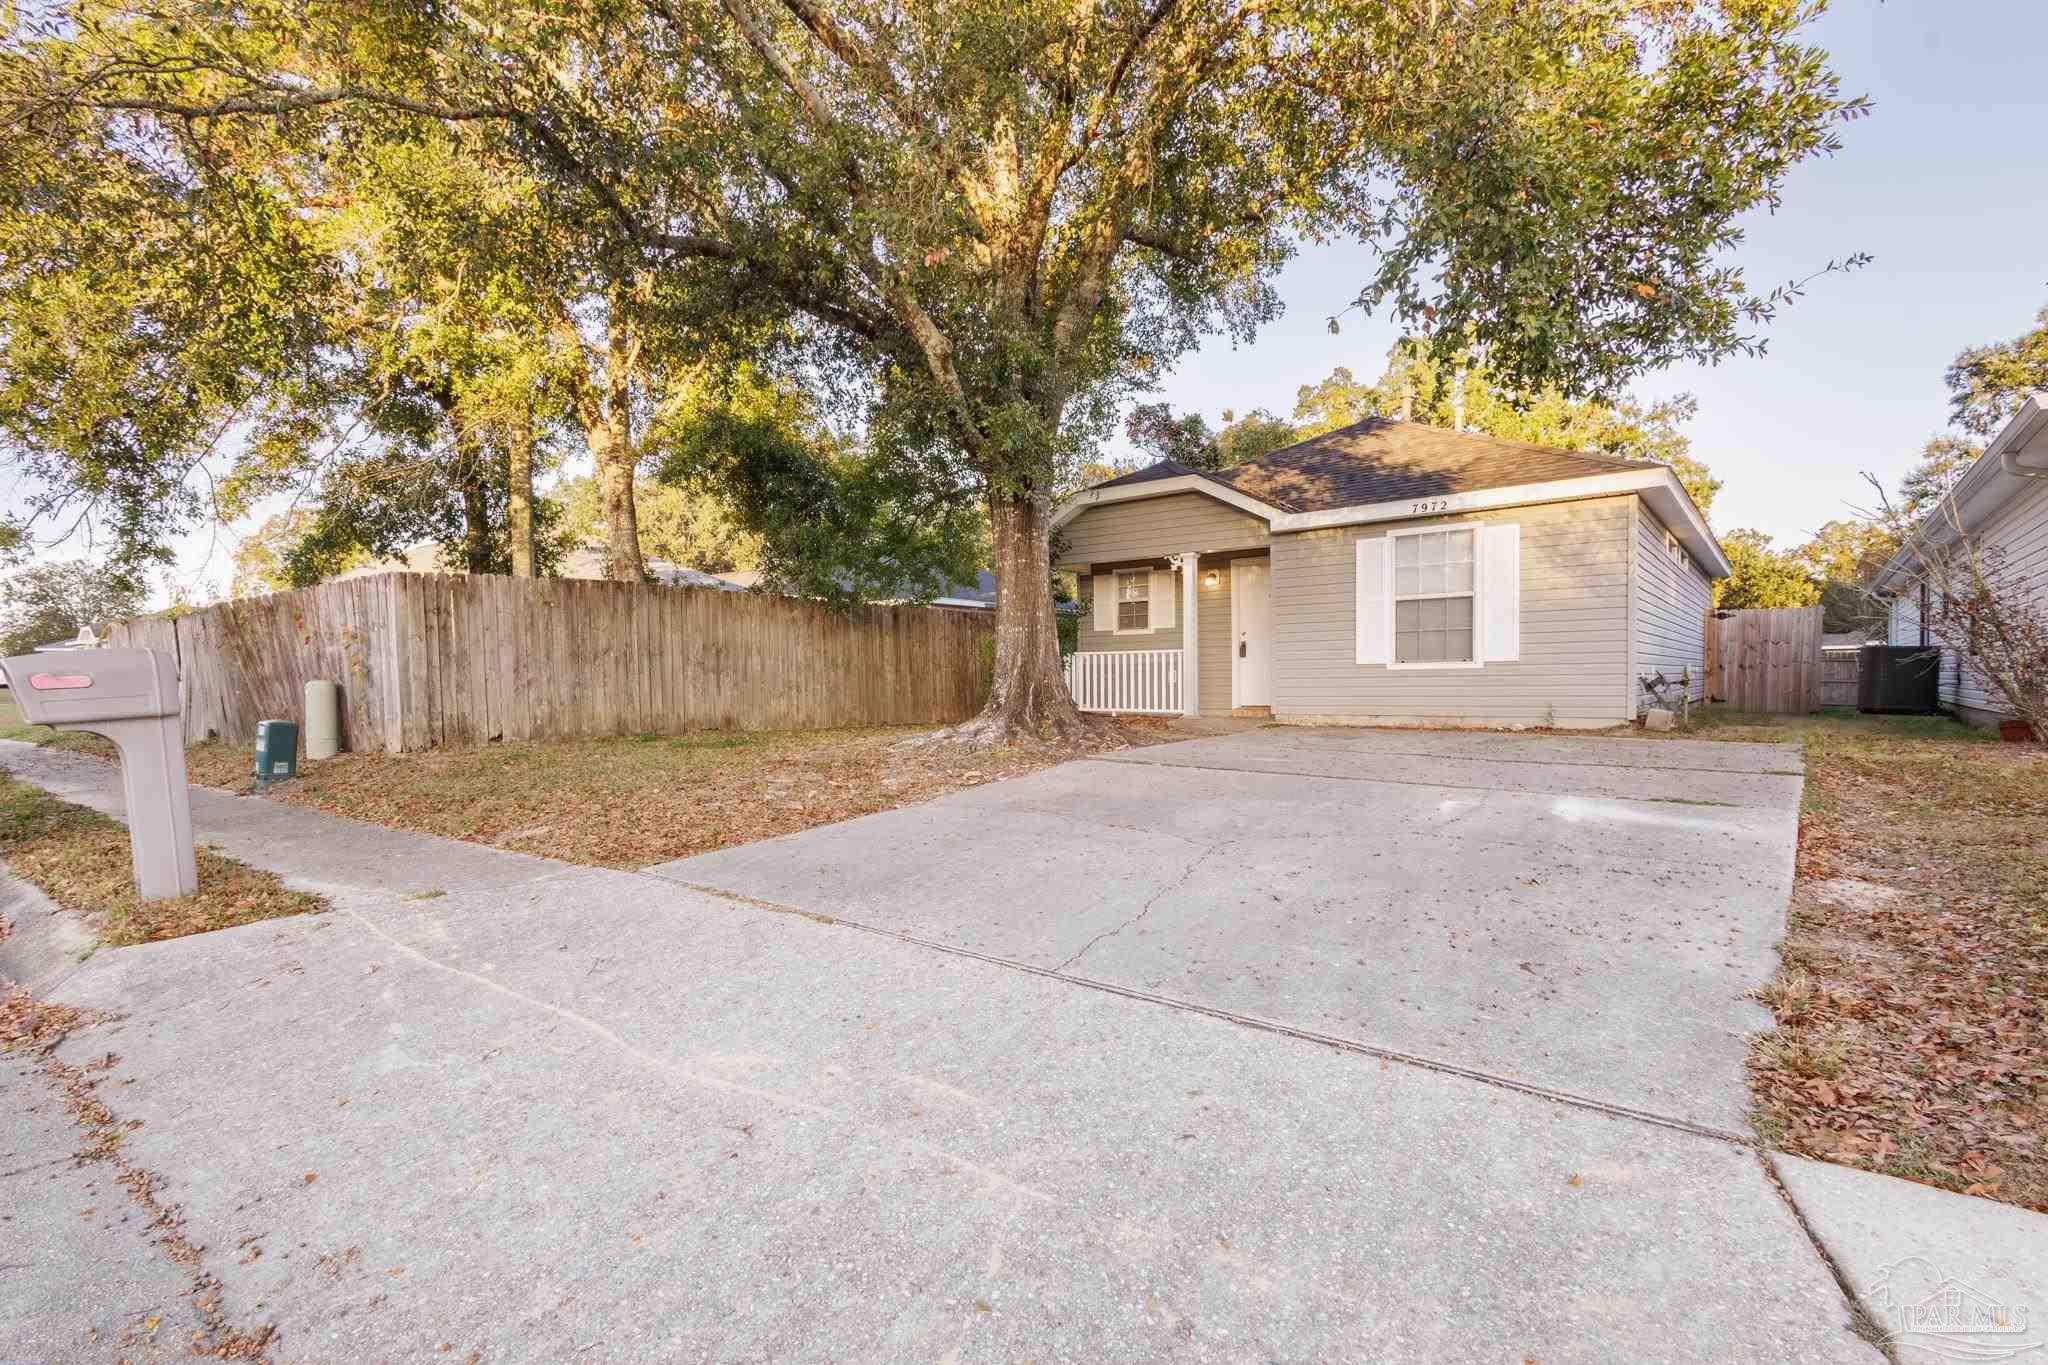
1211, 579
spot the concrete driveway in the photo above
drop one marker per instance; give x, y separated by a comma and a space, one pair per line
1581, 916
1074, 1067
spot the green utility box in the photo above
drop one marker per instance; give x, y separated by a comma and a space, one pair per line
277, 750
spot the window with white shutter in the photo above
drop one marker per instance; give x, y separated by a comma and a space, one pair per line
1435, 592
1133, 601
1440, 597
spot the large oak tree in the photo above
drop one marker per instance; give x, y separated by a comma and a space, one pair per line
1008, 215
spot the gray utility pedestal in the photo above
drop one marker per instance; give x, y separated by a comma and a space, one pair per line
131, 697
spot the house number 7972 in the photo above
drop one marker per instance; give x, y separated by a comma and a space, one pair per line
1433, 505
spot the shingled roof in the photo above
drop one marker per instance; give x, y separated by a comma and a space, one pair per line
1380, 460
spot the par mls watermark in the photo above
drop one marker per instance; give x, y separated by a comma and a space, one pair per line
1922, 1306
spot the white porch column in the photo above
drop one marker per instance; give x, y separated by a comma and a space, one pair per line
1190, 633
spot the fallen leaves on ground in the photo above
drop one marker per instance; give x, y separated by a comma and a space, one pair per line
646, 799
81, 860
1911, 1036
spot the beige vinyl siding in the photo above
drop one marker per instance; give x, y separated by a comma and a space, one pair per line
1213, 607
1670, 612
1573, 669
2019, 532
1153, 528
1167, 637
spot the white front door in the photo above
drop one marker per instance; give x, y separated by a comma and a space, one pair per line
1251, 632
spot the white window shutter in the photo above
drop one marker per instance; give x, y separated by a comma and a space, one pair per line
1163, 615
1105, 602
1375, 617
1500, 588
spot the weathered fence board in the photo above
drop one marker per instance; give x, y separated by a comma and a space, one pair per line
1840, 670
427, 660
1765, 659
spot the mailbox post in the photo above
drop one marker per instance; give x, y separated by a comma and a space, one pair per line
131, 697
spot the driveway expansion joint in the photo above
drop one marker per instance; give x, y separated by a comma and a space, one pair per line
1352, 1045
1378, 779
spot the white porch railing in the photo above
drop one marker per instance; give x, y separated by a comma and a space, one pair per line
1127, 681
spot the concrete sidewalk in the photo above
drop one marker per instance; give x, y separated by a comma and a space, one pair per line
563, 1113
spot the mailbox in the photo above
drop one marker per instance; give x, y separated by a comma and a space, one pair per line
131, 697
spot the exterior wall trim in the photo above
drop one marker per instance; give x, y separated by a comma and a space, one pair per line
1699, 539
1159, 488
1659, 486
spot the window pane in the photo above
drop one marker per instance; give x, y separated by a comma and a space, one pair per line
1432, 578
1458, 578
1404, 647
1458, 547
1405, 579
1432, 613
1408, 616
1432, 548
1432, 646
1458, 645
1133, 616
1404, 551
1459, 612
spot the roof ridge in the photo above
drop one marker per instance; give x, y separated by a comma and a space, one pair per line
1366, 425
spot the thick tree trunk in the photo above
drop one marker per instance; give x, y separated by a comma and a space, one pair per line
1029, 698
476, 527
611, 445
519, 479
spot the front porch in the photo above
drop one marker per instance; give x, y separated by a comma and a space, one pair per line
1181, 635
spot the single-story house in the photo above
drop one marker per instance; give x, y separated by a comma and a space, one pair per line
2001, 503
1390, 573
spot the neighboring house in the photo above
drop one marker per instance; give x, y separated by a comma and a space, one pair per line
2001, 503
1391, 573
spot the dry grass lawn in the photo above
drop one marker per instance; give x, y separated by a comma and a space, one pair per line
13, 727
1912, 1034
81, 861
634, 801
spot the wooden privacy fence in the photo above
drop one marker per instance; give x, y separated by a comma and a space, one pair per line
425, 660
1840, 670
1765, 659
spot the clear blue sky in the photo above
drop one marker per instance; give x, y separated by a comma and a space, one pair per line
1946, 183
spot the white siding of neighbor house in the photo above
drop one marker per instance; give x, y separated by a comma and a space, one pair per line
2019, 532
1669, 611
1575, 655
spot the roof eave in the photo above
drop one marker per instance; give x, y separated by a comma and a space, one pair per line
1656, 485
2002, 469
1104, 494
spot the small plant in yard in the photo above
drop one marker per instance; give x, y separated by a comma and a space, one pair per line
1976, 601
81, 860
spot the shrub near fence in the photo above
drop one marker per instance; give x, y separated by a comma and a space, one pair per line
426, 660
